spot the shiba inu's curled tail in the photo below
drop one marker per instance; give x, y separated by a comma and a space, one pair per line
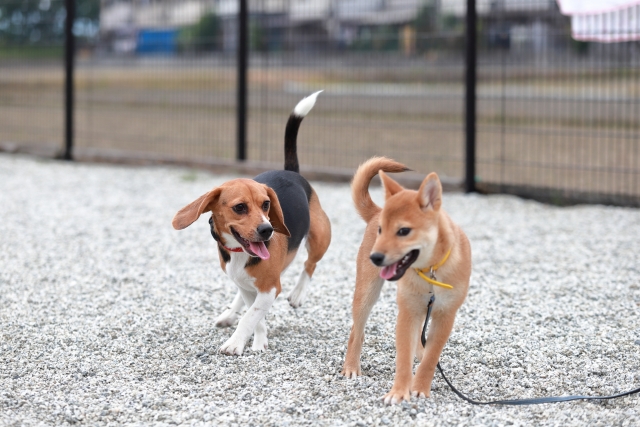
360, 184
291, 131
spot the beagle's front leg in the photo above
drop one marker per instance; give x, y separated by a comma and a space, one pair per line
231, 314
258, 309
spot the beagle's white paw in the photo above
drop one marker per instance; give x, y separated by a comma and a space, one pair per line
260, 342
233, 347
299, 293
227, 318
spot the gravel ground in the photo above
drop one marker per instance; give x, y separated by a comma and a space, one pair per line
106, 312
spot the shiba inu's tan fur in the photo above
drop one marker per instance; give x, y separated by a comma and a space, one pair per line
430, 235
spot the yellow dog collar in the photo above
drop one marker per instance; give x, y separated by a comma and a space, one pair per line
432, 276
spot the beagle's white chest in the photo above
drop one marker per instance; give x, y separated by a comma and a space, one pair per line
236, 271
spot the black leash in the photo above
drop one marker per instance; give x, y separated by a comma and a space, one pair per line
534, 401
423, 337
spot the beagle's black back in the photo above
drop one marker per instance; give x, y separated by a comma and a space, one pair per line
293, 193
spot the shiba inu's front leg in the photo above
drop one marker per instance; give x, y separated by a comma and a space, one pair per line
407, 327
368, 286
439, 331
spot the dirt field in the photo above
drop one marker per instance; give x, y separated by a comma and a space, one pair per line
574, 133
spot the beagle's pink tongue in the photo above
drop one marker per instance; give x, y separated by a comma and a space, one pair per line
389, 271
259, 249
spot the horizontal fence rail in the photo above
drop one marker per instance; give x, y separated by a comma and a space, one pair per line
515, 105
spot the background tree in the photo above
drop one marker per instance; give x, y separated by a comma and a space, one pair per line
41, 22
203, 36
425, 24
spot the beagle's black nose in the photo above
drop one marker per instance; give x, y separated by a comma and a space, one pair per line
265, 230
377, 258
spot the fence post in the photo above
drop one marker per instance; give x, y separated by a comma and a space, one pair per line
470, 96
241, 154
69, 56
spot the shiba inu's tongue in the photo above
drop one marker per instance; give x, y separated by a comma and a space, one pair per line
259, 249
389, 271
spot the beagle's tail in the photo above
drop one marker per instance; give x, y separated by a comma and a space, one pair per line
291, 131
360, 184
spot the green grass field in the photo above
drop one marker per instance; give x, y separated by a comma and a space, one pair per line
31, 52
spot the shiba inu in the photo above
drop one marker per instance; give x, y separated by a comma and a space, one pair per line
411, 240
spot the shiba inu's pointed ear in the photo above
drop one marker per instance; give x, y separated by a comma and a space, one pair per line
390, 186
187, 215
430, 192
276, 217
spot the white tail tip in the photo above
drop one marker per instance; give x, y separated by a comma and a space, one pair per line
304, 106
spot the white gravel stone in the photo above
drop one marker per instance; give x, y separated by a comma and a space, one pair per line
107, 313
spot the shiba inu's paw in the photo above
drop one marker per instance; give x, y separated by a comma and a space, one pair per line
233, 347
351, 371
396, 396
420, 394
420, 389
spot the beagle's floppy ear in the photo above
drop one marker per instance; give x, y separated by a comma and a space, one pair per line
187, 215
430, 192
275, 214
390, 186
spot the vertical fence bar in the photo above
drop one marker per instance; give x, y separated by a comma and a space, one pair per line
242, 81
470, 96
69, 54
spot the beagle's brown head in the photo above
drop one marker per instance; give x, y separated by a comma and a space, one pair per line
244, 214
408, 227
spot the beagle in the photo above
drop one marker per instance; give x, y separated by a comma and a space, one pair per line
258, 225
410, 240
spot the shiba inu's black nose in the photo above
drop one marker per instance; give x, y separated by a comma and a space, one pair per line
265, 231
377, 258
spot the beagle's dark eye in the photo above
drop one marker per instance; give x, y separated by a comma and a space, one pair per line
403, 231
265, 206
240, 208
210, 220
379, 229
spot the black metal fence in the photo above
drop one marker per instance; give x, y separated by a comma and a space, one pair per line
551, 118
557, 118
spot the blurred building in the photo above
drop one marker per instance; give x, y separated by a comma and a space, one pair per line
125, 25
135, 25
